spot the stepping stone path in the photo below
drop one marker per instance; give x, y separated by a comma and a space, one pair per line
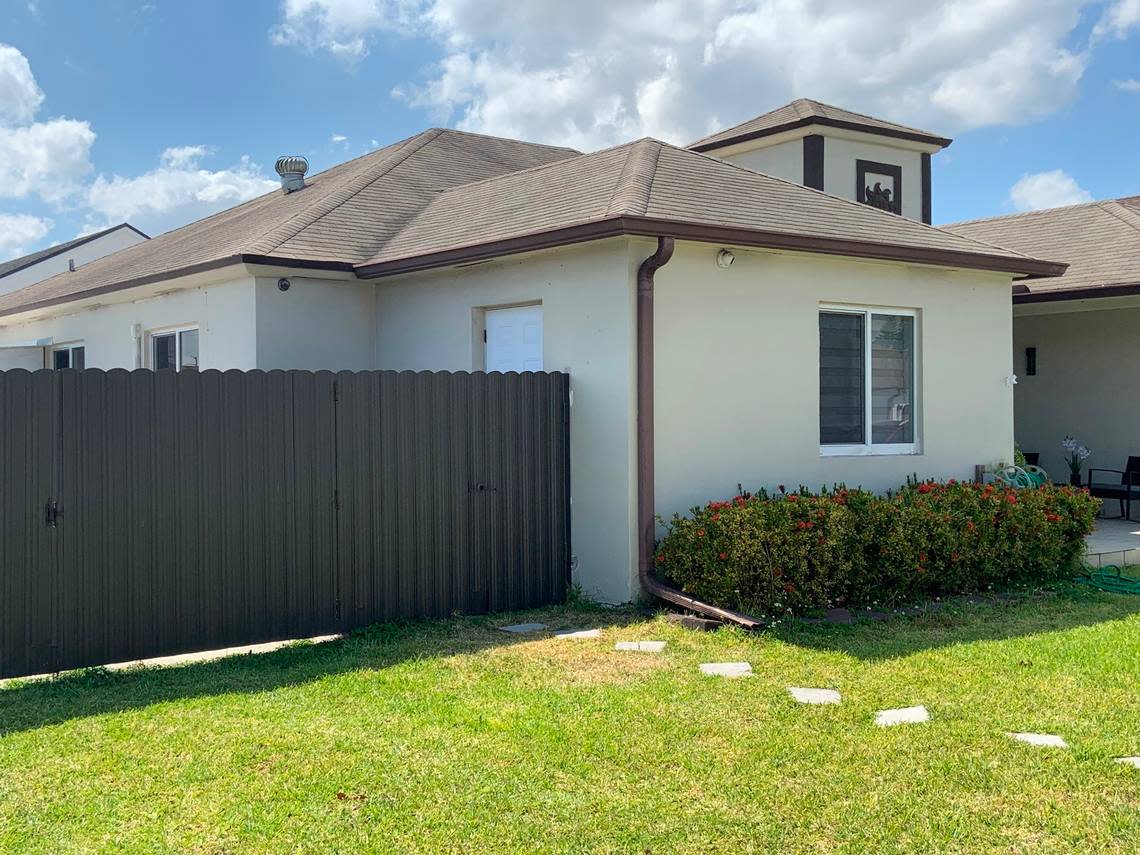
578, 633
726, 669
523, 627
1129, 761
1046, 740
905, 715
641, 646
814, 696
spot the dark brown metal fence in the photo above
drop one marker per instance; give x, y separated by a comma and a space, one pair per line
145, 513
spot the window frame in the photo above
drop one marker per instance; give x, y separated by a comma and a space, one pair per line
176, 332
867, 448
69, 347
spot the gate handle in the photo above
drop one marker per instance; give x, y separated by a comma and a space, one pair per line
52, 513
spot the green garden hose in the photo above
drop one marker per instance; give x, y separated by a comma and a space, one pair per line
1109, 578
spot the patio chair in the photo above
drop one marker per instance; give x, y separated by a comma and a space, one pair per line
1124, 490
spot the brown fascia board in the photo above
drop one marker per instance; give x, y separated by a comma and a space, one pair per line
830, 123
707, 233
188, 270
1088, 292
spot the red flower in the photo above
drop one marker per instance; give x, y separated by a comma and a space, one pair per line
919, 569
925, 487
922, 557
793, 498
1052, 517
1011, 498
789, 588
970, 526
700, 532
722, 556
802, 524
715, 517
660, 559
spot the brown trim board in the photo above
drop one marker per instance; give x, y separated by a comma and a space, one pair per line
1090, 292
709, 233
813, 161
747, 136
927, 201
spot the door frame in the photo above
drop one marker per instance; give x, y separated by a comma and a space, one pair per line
479, 329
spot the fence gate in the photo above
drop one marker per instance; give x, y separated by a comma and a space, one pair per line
144, 513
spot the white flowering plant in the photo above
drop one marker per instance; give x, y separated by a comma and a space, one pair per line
1077, 455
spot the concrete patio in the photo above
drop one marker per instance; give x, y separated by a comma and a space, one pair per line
1115, 541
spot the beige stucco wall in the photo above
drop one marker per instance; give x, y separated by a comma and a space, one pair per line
737, 368
82, 254
224, 314
1087, 384
840, 155
318, 324
430, 321
784, 160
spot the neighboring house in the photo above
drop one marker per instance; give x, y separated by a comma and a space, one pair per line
29, 269
1076, 338
720, 326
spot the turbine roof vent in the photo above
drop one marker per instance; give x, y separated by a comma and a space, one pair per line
292, 169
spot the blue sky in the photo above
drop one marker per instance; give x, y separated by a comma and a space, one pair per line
161, 112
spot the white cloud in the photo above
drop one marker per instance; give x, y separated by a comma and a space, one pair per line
1051, 189
338, 138
19, 233
178, 191
1129, 85
48, 159
1120, 17
342, 27
594, 72
20, 97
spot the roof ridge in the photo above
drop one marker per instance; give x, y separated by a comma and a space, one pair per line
1113, 208
861, 206
310, 214
503, 139
635, 181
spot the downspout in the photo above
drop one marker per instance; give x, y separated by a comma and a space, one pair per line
646, 516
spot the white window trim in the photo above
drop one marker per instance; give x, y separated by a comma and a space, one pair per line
867, 449
49, 359
162, 331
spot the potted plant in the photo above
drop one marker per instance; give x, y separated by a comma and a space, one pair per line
1077, 455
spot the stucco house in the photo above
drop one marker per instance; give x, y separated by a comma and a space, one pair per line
720, 325
1075, 337
28, 269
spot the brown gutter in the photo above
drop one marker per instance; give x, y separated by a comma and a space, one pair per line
1088, 292
709, 233
164, 275
646, 516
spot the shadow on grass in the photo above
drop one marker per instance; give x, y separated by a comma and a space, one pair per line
959, 622
98, 691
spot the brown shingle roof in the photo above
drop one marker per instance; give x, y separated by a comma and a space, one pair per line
341, 217
650, 187
444, 196
803, 112
1100, 240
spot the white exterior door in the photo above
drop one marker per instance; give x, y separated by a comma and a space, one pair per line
514, 339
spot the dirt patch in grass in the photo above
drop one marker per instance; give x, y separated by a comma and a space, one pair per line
571, 662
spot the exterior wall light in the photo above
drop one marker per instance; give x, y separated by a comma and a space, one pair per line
724, 259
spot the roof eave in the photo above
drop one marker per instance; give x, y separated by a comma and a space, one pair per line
1087, 292
931, 139
239, 259
709, 233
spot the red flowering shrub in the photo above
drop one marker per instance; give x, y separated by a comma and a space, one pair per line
798, 551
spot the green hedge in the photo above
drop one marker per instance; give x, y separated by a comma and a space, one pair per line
790, 553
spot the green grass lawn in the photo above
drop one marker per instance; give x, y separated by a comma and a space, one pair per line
454, 737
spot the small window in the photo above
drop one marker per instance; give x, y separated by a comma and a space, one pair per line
68, 356
174, 349
867, 381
